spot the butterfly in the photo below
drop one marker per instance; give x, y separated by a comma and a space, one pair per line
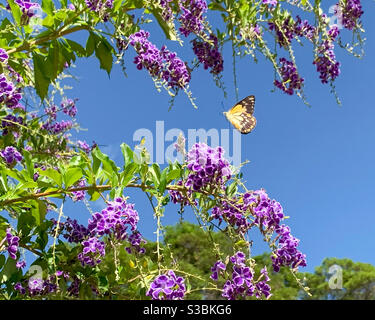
241, 115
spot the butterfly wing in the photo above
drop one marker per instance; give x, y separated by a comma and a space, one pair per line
241, 115
248, 104
241, 120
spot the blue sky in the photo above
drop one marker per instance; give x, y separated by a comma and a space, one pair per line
318, 162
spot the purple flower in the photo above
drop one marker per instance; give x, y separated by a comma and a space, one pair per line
207, 166
51, 112
13, 243
21, 264
326, 64
167, 287
35, 286
192, 16
18, 287
99, 5
272, 3
71, 6
92, 253
84, 146
287, 253
3, 55
74, 232
9, 123
350, 12
114, 219
79, 195
241, 282
291, 80
166, 9
9, 94
161, 64
69, 107
216, 269
28, 8
209, 54
11, 155
57, 127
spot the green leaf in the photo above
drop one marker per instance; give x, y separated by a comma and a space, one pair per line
8, 270
155, 173
77, 48
16, 11
90, 44
52, 174
127, 153
41, 70
173, 174
103, 52
108, 165
163, 181
128, 174
48, 7
2, 260
28, 162
39, 211
71, 176
169, 30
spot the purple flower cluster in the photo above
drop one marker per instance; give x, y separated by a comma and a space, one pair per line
135, 239
167, 287
3, 55
114, 219
57, 127
166, 9
93, 251
287, 253
69, 107
234, 213
284, 33
272, 3
79, 195
9, 123
351, 11
84, 146
9, 94
28, 8
176, 73
13, 243
74, 232
11, 155
38, 286
192, 16
217, 269
208, 167
178, 196
242, 281
161, 64
209, 54
288, 29
99, 5
291, 80
51, 112
268, 213
326, 64
21, 264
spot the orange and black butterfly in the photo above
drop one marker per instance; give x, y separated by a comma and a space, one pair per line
241, 115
